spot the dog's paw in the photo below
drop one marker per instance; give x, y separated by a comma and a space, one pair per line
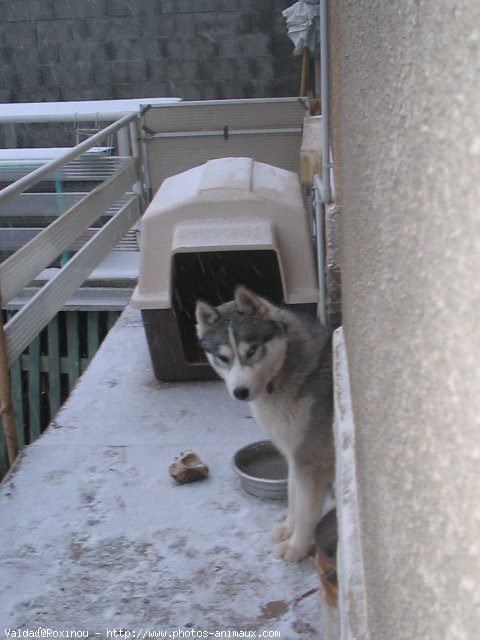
282, 531
287, 551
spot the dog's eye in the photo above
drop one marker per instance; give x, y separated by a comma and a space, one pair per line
223, 359
251, 352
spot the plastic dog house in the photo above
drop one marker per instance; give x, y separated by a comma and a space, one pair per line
230, 221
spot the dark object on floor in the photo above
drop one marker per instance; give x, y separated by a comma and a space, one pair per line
326, 539
188, 468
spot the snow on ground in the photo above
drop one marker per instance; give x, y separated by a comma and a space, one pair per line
95, 535
117, 265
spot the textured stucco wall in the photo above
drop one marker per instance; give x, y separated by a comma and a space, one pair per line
407, 141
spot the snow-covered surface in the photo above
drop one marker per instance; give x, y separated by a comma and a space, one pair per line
76, 110
352, 607
40, 153
95, 535
117, 265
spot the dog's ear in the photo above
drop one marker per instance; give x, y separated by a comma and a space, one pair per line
249, 303
206, 315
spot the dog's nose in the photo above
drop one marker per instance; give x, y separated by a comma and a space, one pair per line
241, 393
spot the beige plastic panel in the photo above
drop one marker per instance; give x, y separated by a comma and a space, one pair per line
231, 203
311, 150
188, 134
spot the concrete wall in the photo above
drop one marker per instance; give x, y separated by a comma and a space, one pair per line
106, 49
407, 146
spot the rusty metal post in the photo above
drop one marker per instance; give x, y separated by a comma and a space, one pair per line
6, 405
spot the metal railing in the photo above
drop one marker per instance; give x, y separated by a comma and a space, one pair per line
122, 180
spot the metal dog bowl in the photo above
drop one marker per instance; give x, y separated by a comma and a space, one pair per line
262, 469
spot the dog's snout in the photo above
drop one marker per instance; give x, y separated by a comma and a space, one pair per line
241, 393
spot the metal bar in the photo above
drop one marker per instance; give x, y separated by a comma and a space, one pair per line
320, 246
137, 154
34, 388
145, 165
325, 98
20, 268
123, 143
38, 174
134, 139
109, 299
45, 304
229, 101
38, 204
92, 170
39, 213
224, 133
12, 239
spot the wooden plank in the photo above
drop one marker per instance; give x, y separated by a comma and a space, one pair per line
17, 397
53, 366
112, 317
73, 349
64, 364
3, 454
93, 333
6, 404
34, 388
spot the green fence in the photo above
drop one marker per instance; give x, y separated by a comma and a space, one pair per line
43, 376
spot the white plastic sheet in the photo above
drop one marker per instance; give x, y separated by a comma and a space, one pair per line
303, 24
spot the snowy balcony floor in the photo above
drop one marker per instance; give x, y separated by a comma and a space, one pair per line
95, 535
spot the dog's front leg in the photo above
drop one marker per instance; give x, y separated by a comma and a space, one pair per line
309, 491
284, 530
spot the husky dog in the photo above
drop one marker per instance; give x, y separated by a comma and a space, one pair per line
279, 362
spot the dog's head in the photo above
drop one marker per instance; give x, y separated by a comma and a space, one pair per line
244, 342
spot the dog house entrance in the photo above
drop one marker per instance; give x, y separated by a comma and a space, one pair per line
212, 276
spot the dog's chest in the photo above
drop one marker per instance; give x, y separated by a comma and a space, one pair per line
283, 419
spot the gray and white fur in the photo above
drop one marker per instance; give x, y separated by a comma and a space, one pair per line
279, 362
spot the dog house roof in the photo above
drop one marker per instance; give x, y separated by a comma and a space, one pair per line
228, 204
